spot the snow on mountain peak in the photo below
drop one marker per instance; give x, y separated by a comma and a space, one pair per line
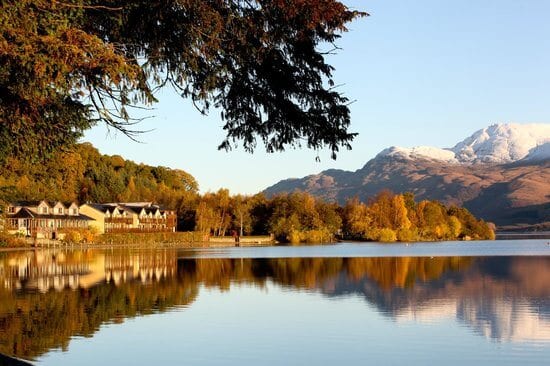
503, 143
425, 152
540, 152
496, 144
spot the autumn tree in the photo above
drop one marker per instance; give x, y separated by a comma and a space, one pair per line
299, 217
66, 65
240, 206
356, 219
389, 217
206, 218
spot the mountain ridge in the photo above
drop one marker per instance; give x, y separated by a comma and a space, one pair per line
496, 144
501, 180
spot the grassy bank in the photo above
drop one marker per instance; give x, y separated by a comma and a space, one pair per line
178, 238
188, 239
11, 241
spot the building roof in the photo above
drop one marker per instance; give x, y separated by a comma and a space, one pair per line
28, 203
103, 207
133, 207
35, 203
136, 204
151, 209
25, 213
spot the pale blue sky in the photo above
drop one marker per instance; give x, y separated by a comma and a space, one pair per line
422, 72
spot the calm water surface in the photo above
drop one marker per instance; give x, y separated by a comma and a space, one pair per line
350, 303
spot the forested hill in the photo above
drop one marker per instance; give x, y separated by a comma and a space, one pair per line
84, 174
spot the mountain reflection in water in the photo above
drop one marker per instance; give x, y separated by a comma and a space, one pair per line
47, 297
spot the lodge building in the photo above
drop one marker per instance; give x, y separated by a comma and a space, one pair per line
44, 219
130, 217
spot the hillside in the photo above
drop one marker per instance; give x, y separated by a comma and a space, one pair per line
85, 175
500, 174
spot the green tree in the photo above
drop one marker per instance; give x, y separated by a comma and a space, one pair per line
66, 65
260, 212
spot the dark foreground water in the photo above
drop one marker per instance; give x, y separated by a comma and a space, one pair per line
342, 304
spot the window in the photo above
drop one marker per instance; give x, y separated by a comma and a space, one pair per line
11, 209
60, 210
75, 211
44, 210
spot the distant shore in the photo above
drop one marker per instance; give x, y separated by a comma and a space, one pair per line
510, 235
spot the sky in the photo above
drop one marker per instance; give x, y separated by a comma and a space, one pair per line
425, 72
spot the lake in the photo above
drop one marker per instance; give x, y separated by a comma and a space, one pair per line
451, 303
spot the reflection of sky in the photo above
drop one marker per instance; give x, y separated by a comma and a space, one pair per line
272, 326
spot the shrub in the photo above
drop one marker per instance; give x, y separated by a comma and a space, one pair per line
178, 238
309, 236
407, 234
372, 234
10, 241
387, 235
79, 235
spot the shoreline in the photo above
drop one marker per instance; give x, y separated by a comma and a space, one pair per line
227, 243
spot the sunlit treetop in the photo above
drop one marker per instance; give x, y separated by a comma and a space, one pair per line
67, 65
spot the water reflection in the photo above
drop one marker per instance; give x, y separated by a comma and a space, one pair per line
47, 297
505, 299
58, 269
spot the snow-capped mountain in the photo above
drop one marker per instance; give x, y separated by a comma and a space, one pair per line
496, 144
420, 152
501, 173
502, 143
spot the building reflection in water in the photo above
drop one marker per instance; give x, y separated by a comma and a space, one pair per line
506, 299
59, 269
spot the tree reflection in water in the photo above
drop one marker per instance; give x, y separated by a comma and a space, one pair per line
47, 297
